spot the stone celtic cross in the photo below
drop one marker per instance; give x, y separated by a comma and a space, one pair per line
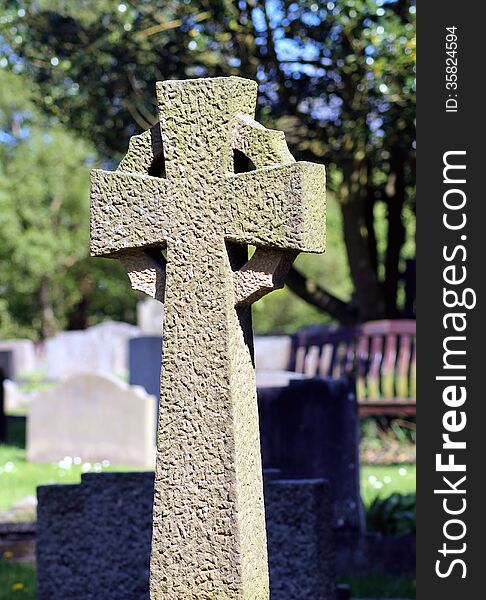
179, 212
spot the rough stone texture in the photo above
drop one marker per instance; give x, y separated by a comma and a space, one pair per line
209, 530
271, 357
298, 529
310, 429
94, 417
102, 348
94, 539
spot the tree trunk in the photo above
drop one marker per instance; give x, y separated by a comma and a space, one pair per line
353, 199
48, 324
315, 295
78, 318
395, 191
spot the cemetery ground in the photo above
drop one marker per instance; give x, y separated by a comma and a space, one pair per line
18, 581
19, 479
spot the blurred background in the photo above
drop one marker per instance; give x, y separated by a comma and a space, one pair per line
77, 79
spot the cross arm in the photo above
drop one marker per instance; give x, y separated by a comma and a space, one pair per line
128, 212
264, 147
280, 207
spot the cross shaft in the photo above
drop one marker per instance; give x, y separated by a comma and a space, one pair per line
209, 529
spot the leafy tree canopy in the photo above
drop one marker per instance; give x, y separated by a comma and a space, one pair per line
337, 76
44, 198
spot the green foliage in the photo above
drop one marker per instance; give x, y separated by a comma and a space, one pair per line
394, 514
386, 440
17, 579
337, 77
44, 224
380, 586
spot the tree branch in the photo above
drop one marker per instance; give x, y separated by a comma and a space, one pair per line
321, 299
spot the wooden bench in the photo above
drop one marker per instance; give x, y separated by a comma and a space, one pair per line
380, 355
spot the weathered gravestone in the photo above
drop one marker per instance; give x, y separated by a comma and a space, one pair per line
310, 430
186, 187
94, 417
150, 317
25, 359
102, 348
93, 539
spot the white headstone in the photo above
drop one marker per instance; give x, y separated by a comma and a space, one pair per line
150, 317
15, 398
101, 349
24, 354
94, 417
272, 352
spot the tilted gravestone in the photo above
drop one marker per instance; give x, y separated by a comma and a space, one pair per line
179, 213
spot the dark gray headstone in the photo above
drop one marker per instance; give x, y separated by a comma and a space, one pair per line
94, 538
144, 359
300, 540
310, 430
6, 372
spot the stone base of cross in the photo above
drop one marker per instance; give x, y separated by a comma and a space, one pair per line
180, 212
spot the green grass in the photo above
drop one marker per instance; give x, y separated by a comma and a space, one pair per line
19, 478
383, 480
381, 586
17, 581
